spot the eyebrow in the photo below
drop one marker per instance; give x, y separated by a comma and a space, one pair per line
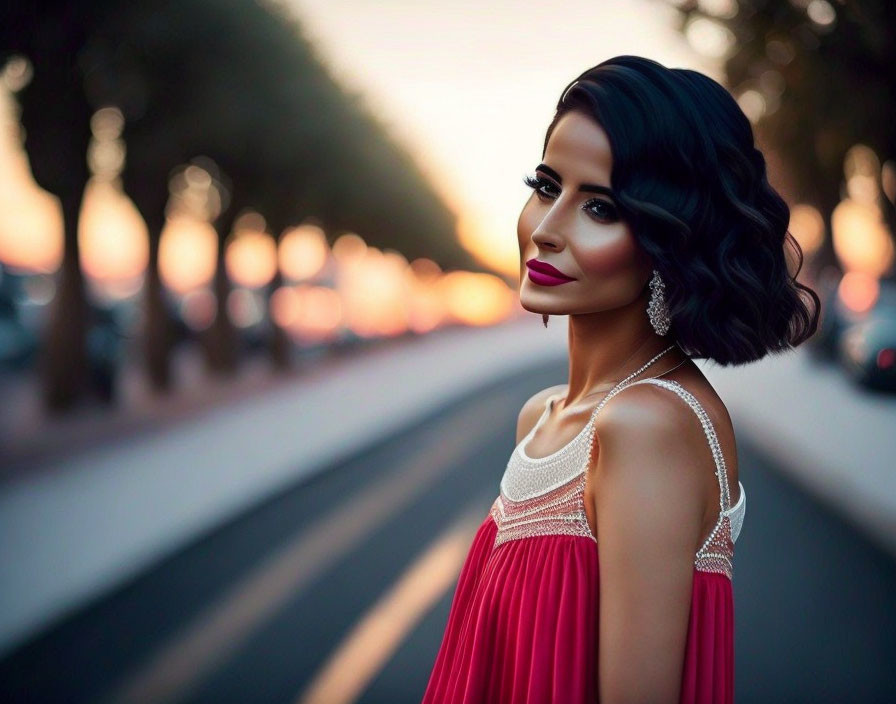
585, 187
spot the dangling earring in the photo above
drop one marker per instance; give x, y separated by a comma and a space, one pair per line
544, 317
657, 309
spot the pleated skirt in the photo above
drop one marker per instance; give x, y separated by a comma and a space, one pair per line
523, 627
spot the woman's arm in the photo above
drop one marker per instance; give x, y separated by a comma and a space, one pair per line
650, 496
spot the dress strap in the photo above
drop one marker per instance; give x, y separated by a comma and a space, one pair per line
721, 473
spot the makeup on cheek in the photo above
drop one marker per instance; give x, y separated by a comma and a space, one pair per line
608, 256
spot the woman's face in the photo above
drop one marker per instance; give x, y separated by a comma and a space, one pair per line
575, 228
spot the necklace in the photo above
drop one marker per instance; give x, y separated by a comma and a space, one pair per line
635, 373
668, 370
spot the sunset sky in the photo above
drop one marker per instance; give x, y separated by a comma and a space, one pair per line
470, 86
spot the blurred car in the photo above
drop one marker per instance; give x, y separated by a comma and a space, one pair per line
866, 349
23, 317
18, 342
835, 319
105, 349
18, 345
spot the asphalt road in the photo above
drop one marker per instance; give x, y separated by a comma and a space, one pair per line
338, 590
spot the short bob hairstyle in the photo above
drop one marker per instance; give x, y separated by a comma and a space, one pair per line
692, 186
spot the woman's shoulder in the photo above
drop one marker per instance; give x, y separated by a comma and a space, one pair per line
655, 419
651, 405
533, 408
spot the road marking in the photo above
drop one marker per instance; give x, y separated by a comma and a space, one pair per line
217, 631
372, 642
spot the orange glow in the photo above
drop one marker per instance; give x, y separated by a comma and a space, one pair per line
858, 291
284, 306
807, 226
477, 299
31, 236
30, 228
427, 304
112, 236
303, 252
318, 313
426, 269
251, 258
861, 238
375, 290
349, 248
503, 257
861, 168
187, 251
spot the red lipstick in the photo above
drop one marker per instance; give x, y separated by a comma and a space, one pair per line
545, 275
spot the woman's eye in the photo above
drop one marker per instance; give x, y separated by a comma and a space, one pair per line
601, 209
539, 185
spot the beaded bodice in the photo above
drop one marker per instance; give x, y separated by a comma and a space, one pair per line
545, 495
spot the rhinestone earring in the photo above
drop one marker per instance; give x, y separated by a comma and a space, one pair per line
544, 317
657, 309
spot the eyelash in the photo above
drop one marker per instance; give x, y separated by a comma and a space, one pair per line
536, 183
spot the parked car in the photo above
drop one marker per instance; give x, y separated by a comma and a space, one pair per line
867, 348
18, 343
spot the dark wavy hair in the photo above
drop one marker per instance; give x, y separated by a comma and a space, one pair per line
692, 186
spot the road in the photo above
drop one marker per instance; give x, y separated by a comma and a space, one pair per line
338, 590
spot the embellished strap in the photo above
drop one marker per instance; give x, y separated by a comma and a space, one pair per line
717, 552
721, 473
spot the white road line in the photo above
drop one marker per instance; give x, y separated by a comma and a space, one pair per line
221, 628
371, 643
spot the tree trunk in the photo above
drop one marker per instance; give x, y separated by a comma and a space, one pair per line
64, 363
158, 337
279, 343
220, 339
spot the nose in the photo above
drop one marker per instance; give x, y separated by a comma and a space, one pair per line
549, 233
547, 238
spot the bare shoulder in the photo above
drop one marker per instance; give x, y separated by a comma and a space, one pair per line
653, 450
674, 428
645, 408
533, 408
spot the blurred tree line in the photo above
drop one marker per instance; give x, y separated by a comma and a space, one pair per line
827, 73
234, 82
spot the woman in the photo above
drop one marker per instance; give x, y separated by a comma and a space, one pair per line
603, 571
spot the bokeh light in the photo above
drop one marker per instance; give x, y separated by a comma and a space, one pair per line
302, 252
187, 252
112, 236
251, 253
861, 238
807, 227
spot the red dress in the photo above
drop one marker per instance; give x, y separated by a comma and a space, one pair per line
523, 624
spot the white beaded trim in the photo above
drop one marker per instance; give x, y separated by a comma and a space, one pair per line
523, 487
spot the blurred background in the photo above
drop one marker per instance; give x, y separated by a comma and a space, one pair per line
261, 352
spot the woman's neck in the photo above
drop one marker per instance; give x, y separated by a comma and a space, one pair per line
604, 351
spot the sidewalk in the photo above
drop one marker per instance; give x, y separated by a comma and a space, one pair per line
92, 520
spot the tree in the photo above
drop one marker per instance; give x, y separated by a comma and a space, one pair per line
826, 74
230, 80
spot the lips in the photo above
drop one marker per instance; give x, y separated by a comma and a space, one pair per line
545, 275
